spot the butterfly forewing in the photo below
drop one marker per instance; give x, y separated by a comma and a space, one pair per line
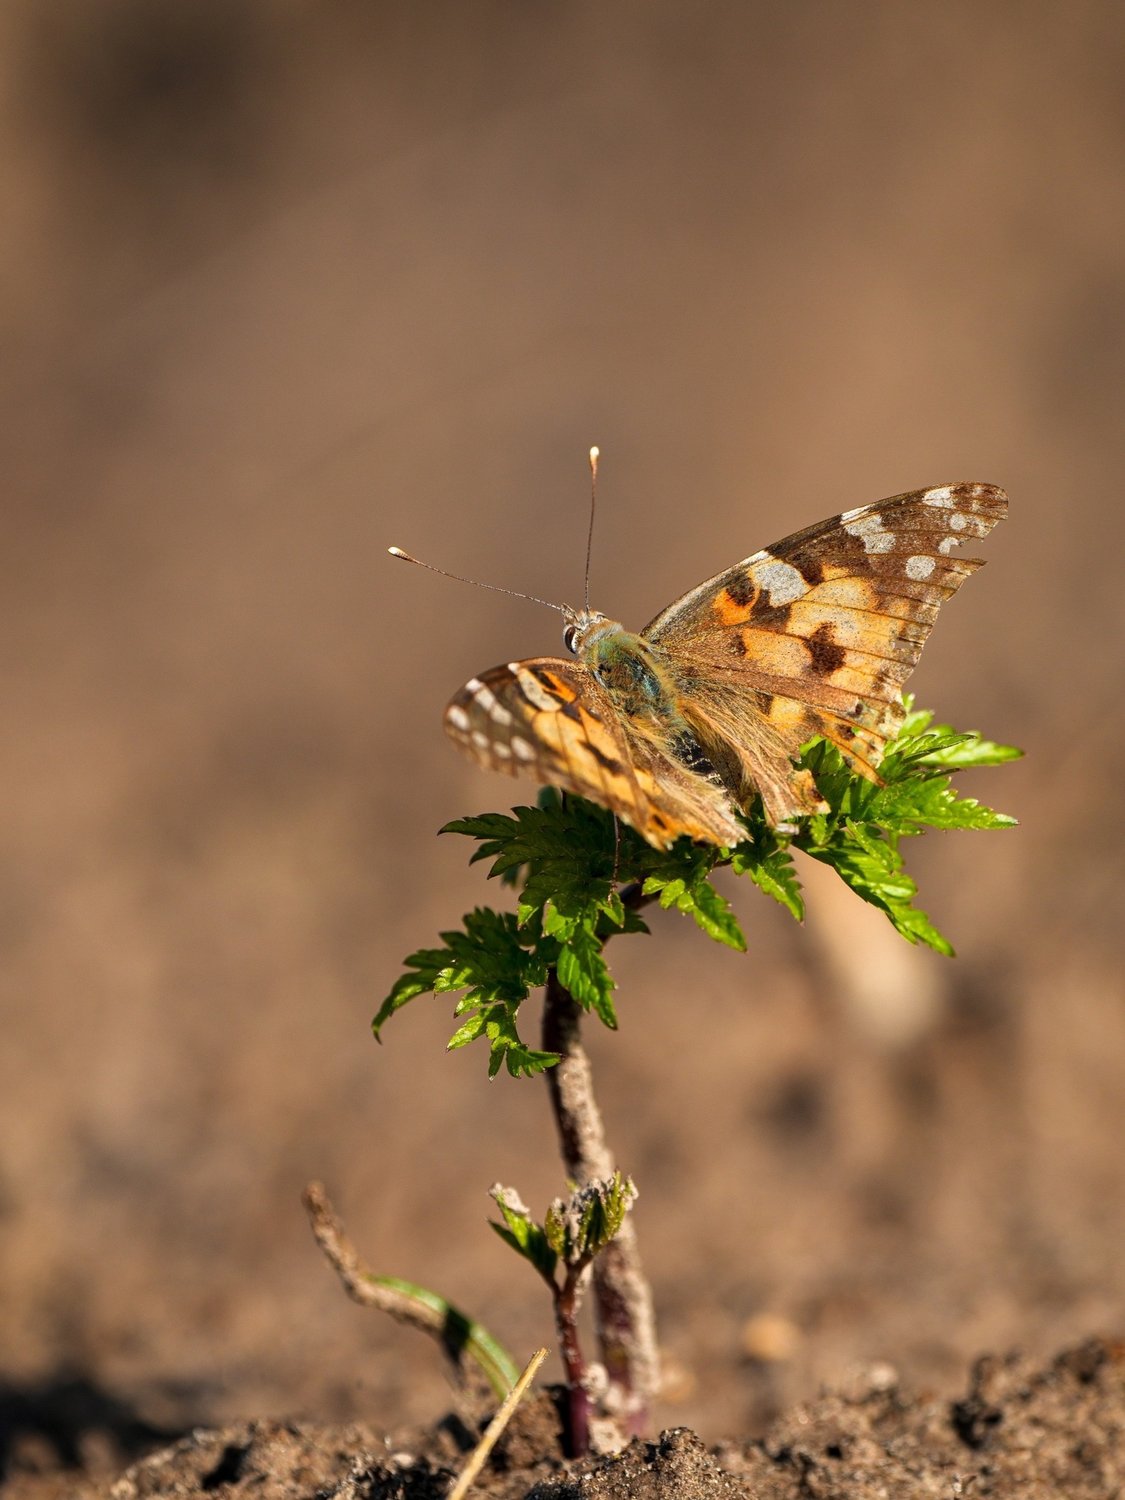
828, 624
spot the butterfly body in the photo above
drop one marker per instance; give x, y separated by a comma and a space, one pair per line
628, 668
677, 727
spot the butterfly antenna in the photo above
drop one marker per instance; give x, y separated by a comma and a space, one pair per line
495, 587
594, 456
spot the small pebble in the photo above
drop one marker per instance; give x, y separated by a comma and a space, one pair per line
770, 1338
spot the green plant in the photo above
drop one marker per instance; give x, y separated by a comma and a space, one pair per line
581, 878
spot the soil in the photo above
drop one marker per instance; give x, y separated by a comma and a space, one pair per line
283, 285
1018, 1431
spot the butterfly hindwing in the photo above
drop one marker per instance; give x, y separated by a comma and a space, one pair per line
549, 719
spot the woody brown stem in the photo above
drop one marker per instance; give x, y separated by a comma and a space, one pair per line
623, 1312
574, 1366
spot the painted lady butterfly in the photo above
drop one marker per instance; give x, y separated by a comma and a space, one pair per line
675, 729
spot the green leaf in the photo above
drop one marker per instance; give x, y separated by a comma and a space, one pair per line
521, 1232
777, 877
911, 807
563, 843
679, 879
554, 1228
497, 1024
427, 964
847, 794
915, 720
765, 857
973, 750
702, 902
713, 915
873, 867
497, 964
580, 1226
462, 1335
911, 756
567, 857
583, 971
859, 834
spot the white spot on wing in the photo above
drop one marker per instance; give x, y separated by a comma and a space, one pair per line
919, 567
521, 749
535, 693
480, 739
947, 544
940, 496
957, 521
499, 714
501, 751
458, 718
872, 533
850, 515
781, 581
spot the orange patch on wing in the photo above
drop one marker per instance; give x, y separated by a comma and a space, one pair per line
854, 630
790, 719
780, 655
556, 685
729, 610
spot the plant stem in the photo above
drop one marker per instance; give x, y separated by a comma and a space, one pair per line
462, 1338
623, 1312
578, 1398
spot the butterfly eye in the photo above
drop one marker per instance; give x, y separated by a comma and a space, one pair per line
570, 637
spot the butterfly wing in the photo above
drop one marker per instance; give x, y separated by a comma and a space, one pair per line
818, 633
551, 720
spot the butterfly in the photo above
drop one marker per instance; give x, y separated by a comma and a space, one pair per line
677, 728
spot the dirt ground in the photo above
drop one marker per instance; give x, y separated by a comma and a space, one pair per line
282, 286
1017, 1432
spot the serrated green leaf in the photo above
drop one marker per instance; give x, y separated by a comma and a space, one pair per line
914, 925
666, 890
713, 915
497, 965
697, 898
911, 756
406, 988
559, 925
973, 751
469, 1032
506, 1049
846, 793
583, 972
482, 826
910, 807
772, 872
567, 856
873, 868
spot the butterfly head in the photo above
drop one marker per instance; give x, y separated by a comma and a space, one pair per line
582, 626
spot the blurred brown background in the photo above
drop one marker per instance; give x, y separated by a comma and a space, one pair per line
280, 285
